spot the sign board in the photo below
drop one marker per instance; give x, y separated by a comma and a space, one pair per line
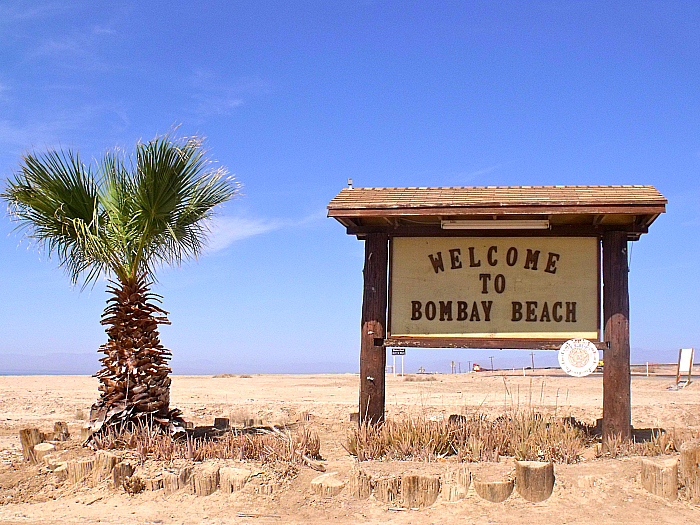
495, 287
578, 357
398, 351
685, 363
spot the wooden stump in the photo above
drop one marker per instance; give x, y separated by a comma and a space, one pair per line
360, 484
494, 491
327, 485
418, 491
205, 480
61, 471
690, 469
455, 483
60, 431
104, 464
121, 472
221, 423
41, 450
51, 461
79, 470
178, 479
534, 480
387, 488
30, 437
154, 483
660, 477
493, 481
232, 479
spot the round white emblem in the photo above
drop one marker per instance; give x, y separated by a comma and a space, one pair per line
578, 357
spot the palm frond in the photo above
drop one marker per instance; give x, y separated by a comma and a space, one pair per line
54, 198
132, 215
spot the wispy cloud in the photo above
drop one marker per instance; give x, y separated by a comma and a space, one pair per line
12, 12
227, 230
216, 97
52, 129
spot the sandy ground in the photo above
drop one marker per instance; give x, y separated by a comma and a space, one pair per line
593, 491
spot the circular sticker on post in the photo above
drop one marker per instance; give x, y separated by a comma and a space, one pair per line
578, 357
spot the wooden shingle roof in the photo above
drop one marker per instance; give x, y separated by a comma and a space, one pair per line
569, 209
495, 196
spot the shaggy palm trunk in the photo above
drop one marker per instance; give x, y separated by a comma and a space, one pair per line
134, 377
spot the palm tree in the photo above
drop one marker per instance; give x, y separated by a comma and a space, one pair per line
123, 219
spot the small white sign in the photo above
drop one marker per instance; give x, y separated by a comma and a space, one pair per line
578, 357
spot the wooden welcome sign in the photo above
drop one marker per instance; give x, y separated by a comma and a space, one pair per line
494, 287
497, 267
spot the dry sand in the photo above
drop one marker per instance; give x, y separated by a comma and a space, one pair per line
593, 491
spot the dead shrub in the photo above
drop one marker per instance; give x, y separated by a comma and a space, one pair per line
274, 445
420, 377
523, 435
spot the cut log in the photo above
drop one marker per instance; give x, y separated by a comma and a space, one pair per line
30, 437
177, 479
327, 485
60, 431
493, 481
205, 480
419, 491
360, 484
494, 491
690, 469
41, 450
660, 477
388, 489
104, 464
121, 471
221, 423
455, 483
79, 470
51, 461
232, 479
534, 480
62, 471
155, 483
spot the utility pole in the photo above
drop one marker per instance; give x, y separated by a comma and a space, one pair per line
491, 358
532, 355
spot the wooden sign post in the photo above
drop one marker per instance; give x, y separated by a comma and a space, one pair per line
514, 267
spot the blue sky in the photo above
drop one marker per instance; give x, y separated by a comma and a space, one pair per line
296, 97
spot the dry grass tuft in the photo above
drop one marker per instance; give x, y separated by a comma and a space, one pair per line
523, 435
268, 447
420, 377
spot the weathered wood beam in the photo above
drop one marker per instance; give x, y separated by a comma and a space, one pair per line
434, 230
617, 412
449, 211
372, 352
465, 342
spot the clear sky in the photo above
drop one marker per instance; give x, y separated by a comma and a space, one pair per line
296, 97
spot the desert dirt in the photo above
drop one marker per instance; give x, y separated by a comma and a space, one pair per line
595, 490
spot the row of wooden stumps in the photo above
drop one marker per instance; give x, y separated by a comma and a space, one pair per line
419, 485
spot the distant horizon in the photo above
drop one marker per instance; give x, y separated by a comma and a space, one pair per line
58, 363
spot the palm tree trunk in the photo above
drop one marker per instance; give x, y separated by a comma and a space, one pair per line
134, 382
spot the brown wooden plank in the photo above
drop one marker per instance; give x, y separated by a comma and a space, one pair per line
434, 230
380, 211
617, 412
372, 352
466, 342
